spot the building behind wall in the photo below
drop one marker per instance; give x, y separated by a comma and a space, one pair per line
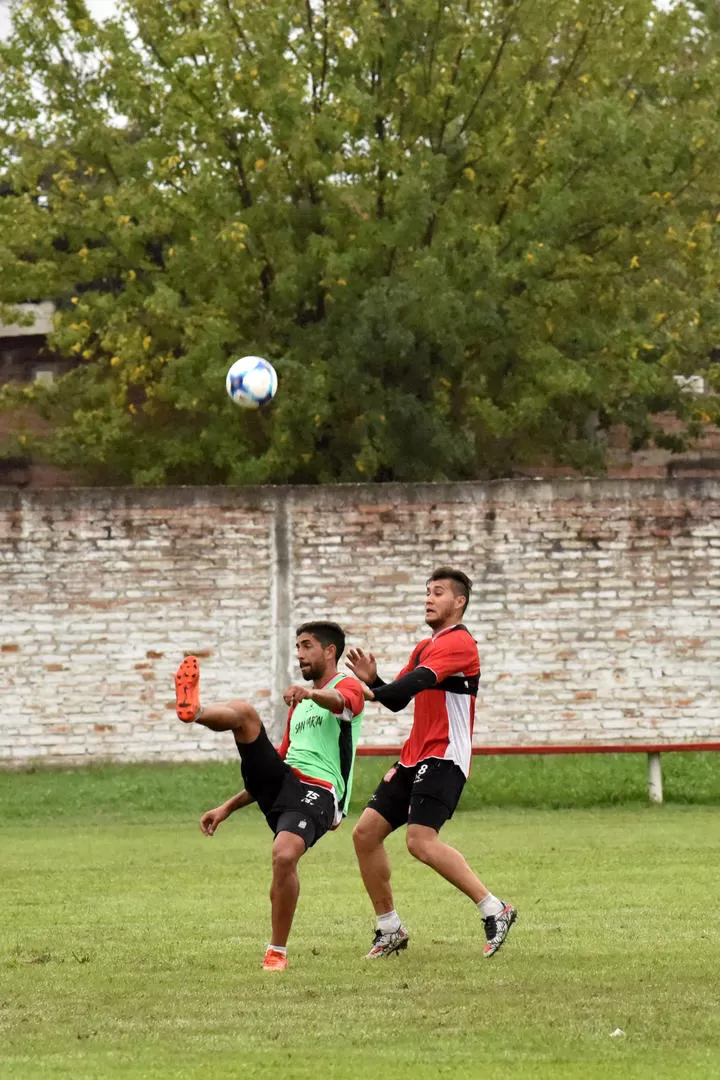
26, 358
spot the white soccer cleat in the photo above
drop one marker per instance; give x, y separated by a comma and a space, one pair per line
497, 928
387, 944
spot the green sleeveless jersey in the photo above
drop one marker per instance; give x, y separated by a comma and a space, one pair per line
323, 744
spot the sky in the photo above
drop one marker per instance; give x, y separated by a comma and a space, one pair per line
99, 8
103, 8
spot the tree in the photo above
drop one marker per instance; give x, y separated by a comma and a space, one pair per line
470, 234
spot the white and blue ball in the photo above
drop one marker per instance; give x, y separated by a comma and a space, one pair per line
251, 382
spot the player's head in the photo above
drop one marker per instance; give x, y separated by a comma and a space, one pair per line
448, 595
319, 646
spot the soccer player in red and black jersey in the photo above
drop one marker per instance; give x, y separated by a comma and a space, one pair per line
423, 788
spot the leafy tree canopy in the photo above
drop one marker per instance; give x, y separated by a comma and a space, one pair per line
470, 234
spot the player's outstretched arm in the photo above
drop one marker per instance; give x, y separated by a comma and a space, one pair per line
326, 699
212, 818
363, 666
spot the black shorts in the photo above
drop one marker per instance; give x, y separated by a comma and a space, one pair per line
288, 803
422, 794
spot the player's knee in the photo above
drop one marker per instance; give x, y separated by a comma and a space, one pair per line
364, 837
419, 846
243, 710
284, 858
245, 718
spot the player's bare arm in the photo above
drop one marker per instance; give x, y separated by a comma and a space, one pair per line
326, 699
212, 818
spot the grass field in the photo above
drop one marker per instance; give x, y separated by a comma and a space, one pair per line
130, 944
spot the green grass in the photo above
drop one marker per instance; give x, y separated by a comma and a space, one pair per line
130, 944
140, 792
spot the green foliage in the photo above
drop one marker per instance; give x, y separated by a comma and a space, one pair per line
470, 236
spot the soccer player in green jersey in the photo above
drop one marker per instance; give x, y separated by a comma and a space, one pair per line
303, 788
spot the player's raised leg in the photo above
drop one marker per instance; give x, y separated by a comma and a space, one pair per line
236, 716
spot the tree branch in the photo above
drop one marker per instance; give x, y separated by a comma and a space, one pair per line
491, 73
242, 38
433, 40
453, 81
565, 75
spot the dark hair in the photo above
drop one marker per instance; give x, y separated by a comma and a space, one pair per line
462, 585
327, 633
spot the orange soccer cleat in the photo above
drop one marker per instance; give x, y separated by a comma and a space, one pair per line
274, 960
187, 689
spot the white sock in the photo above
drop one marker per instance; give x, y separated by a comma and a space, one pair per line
389, 923
282, 949
490, 906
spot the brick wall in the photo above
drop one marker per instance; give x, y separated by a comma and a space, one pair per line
597, 606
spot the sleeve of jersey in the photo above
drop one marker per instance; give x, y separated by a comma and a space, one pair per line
397, 694
450, 654
283, 747
352, 694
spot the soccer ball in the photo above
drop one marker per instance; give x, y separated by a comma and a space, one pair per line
251, 382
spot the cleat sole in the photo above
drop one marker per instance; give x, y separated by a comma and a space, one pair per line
187, 697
